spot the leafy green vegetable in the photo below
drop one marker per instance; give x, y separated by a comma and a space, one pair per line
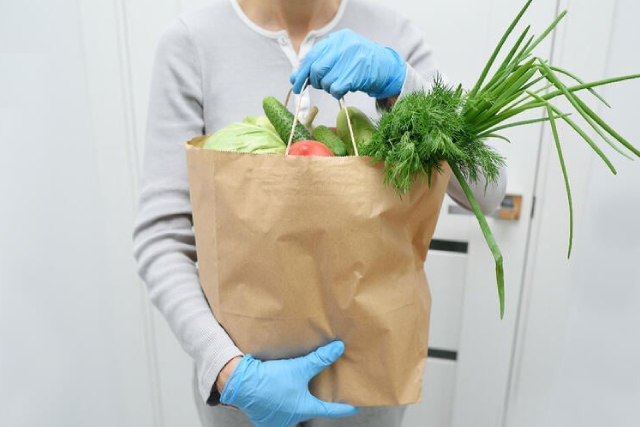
424, 129
446, 124
245, 138
262, 121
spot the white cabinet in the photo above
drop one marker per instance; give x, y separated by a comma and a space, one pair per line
438, 387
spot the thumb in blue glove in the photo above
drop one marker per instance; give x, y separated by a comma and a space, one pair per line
276, 393
347, 62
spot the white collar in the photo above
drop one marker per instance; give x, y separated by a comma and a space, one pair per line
275, 34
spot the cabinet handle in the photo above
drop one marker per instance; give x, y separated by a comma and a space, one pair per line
509, 209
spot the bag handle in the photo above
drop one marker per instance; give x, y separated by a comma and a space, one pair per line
342, 105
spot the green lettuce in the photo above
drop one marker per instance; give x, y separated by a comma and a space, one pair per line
246, 138
262, 121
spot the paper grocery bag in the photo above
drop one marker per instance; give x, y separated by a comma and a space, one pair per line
295, 252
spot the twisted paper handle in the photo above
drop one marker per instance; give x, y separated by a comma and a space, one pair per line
342, 105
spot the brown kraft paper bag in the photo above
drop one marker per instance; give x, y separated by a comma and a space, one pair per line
295, 252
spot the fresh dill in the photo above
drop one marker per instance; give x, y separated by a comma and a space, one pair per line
423, 130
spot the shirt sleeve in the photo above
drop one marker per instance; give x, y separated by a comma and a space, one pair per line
163, 238
422, 68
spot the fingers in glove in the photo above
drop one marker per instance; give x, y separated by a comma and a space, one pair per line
336, 410
298, 77
344, 78
316, 361
322, 72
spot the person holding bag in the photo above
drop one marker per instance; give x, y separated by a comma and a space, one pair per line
213, 66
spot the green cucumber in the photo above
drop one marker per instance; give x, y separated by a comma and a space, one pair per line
361, 124
330, 139
282, 120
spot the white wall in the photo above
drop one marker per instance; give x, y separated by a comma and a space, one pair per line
73, 348
579, 342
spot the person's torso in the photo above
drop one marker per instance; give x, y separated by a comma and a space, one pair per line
242, 63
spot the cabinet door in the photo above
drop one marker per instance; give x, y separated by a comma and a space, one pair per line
576, 358
470, 347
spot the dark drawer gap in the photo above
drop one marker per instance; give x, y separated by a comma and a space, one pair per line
449, 246
436, 353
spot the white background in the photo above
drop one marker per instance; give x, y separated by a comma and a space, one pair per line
79, 344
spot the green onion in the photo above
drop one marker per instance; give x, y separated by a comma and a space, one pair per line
446, 124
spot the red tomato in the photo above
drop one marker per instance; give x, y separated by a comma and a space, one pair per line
309, 147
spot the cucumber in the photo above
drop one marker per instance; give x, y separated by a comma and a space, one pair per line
282, 119
361, 124
330, 139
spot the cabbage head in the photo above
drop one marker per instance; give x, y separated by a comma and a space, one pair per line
262, 121
246, 138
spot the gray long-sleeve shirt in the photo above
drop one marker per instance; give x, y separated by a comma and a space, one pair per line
213, 66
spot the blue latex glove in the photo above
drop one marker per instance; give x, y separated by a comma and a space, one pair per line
276, 393
347, 62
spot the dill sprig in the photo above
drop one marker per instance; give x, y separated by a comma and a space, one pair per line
423, 130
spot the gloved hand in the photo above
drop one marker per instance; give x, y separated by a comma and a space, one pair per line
276, 393
345, 61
